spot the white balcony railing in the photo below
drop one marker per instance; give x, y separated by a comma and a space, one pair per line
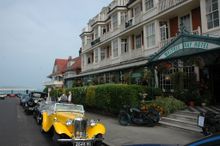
166, 4
112, 33
132, 54
88, 67
104, 62
166, 41
53, 83
69, 74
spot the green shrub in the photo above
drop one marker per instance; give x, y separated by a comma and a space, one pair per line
57, 92
168, 105
153, 92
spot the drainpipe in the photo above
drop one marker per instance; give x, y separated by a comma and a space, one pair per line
156, 78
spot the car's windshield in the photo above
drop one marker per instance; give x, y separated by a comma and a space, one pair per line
38, 95
69, 107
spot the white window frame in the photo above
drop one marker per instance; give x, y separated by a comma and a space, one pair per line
96, 33
124, 17
115, 21
115, 47
137, 10
150, 34
163, 32
190, 21
210, 12
96, 55
138, 41
124, 45
149, 4
103, 56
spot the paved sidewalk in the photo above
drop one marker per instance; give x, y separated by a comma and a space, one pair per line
118, 135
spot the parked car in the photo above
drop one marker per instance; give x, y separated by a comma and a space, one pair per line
3, 96
24, 98
67, 123
40, 108
11, 95
35, 97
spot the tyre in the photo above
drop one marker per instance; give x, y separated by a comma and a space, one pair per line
154, 115
39, 119
124, 119
98, 142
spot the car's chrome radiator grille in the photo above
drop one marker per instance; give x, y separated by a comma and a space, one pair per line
80, 126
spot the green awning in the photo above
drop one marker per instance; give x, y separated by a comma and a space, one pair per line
185, 45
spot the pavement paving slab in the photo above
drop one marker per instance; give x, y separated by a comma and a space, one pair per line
118, 135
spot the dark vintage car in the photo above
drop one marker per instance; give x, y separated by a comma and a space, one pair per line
34, 98
24, 98
3, 96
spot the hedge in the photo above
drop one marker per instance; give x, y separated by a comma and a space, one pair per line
107, 97
111, 97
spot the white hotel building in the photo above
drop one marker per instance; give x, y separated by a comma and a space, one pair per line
119, 41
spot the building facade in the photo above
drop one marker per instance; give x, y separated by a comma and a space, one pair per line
130, 38
118, 42
57, 75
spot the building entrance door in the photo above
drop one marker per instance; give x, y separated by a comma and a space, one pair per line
216, 83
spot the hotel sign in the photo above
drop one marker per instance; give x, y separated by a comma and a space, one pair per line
188, 45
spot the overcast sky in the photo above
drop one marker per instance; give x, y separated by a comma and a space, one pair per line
35, 32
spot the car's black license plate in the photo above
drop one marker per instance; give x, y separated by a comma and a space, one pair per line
83, 143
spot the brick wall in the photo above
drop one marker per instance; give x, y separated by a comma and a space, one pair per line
196, 18
173, 26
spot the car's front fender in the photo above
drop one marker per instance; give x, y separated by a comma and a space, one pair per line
46, 122
61, 129
99, 128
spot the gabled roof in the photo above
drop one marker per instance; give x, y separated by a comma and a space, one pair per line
59, 67
185, 45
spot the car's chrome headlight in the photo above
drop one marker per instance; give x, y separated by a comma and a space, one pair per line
92, 122
69, 122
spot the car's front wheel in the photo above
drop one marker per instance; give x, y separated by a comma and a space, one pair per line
39, 119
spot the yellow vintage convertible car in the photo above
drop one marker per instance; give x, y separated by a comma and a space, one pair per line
67, 123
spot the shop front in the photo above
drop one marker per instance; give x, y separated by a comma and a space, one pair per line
189, 68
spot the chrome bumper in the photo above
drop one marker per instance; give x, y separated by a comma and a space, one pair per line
80, 140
